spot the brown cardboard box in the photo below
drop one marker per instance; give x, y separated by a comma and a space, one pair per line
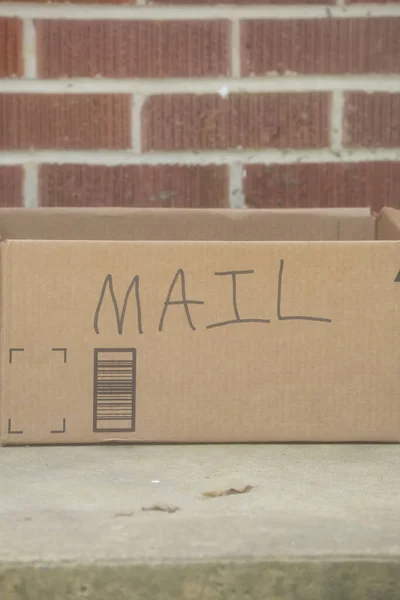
199, 326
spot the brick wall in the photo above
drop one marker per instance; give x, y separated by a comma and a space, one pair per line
179, 103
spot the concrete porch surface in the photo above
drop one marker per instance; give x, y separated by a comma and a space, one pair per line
322, 522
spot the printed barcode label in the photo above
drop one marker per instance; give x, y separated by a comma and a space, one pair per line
114, 389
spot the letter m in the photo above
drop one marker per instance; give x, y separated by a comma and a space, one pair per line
119, 315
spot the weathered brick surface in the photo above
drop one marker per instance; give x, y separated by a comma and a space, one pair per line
73, 1
11, 184
321, 46
186, 122
131, 185
372, 120
195, 120
243, 2
133, 48
371, 184
11, 62
76, 121
371, 1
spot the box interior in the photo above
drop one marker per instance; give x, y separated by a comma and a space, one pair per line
199, 225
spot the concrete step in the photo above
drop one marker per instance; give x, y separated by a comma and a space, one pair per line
313, 522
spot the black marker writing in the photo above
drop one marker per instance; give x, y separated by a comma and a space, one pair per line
292, 318
237, 318
119, 316
184, 302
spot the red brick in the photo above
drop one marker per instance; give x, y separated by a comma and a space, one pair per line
213, 2
371, 1
10, 47
372, 120
134, 185
133, 48
73, 1
186, 122
11, 183
371, 184
63, 121
321, 46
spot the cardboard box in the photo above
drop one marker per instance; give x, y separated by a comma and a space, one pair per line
199, 326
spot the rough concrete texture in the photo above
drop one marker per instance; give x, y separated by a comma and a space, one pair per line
321, 522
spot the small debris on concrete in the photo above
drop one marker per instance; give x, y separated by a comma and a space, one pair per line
228, 492
161, 508
128, 514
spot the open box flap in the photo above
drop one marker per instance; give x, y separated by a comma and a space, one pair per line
388, 224
187, 224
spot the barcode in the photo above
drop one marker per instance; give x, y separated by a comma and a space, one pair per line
114, 389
